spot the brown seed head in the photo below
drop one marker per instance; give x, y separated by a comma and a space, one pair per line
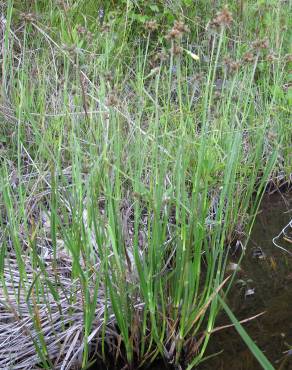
173, 34
272, 135
260, 44
71, 49
111, 100
151, 26
158, 58
81, 30
288, 58
231, 65
105, 28
62, 4
222, 19
248, 57
271, 57
161, 56
176, 49
109, 76
181, 26
197, 78
177, 31
84, 32
28, 17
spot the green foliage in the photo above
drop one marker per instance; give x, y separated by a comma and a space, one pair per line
146, 153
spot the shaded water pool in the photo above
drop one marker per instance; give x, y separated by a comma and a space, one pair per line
264, 284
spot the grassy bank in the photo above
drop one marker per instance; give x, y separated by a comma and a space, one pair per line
136, 143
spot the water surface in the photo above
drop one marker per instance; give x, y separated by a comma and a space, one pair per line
265, 284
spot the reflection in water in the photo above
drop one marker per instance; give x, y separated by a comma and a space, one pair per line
267, 271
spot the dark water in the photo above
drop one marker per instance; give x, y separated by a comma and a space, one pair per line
266, 271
